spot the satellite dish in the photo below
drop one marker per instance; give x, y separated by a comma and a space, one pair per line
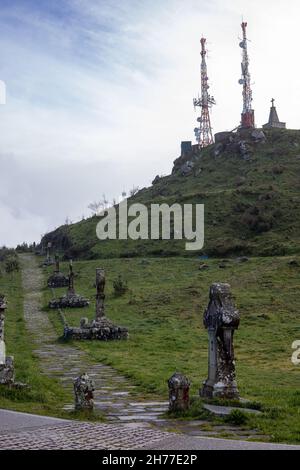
241, 81
243, 44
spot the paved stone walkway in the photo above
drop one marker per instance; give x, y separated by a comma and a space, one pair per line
82, 436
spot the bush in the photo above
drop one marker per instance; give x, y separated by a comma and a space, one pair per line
257, 223
120, 286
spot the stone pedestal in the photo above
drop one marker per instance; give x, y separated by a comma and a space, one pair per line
221, 319
84, 392
71, 299
101, 328
57, 279
179, 387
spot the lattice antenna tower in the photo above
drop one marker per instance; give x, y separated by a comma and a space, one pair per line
203, 132
247, 119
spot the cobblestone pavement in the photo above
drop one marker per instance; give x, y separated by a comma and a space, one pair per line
75, 435
82, 436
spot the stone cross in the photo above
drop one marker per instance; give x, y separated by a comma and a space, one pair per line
272, 101
2, 318
100, 296
71, 289
221, 319
6, 362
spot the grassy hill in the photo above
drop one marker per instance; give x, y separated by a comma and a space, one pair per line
251, 200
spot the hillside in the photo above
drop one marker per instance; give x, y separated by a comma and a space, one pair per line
250, 187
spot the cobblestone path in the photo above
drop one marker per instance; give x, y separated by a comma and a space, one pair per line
82, 436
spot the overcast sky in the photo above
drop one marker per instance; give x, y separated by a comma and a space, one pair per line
99, 94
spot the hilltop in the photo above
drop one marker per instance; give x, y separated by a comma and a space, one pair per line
249, 183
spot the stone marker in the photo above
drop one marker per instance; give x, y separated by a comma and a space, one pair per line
179, 387
2, 352
2, 316
7, 374
83, 390
100, 296
71, 299
57, 279
101, 328
48, 261
221, 319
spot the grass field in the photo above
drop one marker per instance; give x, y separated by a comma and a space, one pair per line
163, 311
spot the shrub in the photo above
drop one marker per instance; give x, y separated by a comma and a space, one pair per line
120, 286
277, 169
236, 417
12, 264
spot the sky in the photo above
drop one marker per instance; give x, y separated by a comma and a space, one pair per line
99, 94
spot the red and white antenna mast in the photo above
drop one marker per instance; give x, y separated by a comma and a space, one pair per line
203, 133
248, 112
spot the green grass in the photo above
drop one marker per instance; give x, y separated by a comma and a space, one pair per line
163, 311
45, 396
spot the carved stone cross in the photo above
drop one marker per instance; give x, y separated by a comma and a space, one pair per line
100, 296
221, 319
71, 289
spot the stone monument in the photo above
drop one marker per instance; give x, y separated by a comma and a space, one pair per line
7, 373
48, 261
273, 119
2, 318
57, 279
221, 319
84, 392
179, 389
71, 299
101, 328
